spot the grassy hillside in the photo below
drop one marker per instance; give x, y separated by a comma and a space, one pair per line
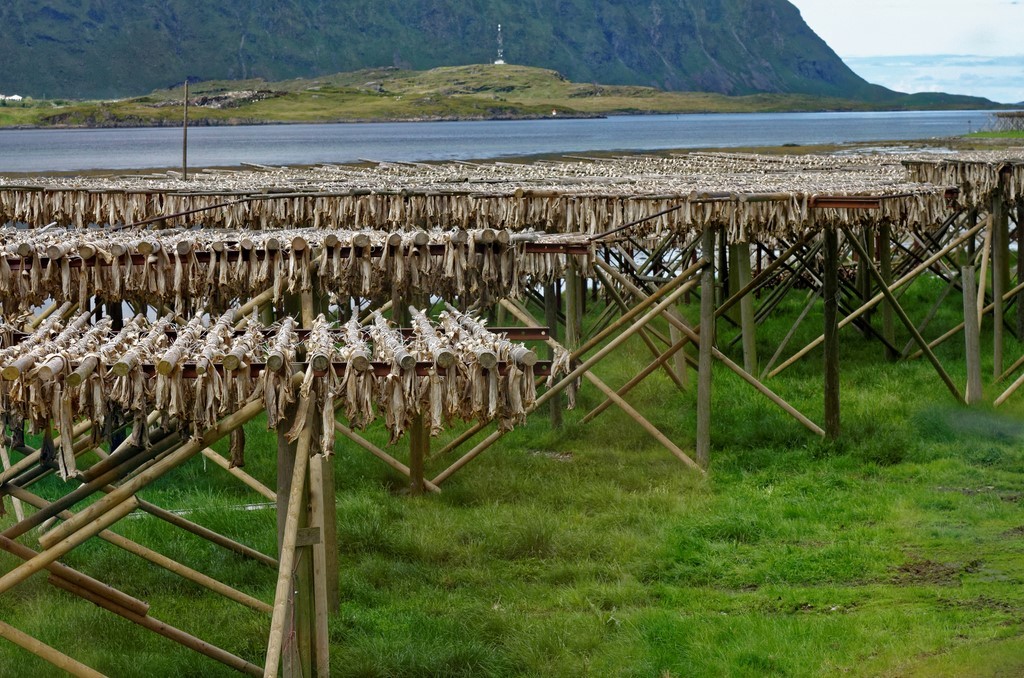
116, 47
591, 551
463, 92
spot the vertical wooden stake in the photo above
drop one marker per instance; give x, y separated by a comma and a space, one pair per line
551, 318
284, 623
1000, 276
740, 254
418, 435
322, 603
679, 357
573, 313
184, 137
6, 460
831, 295
1020, 270
885, 268
972, 338
707, 342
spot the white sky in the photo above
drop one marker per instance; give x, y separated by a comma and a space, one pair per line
861, 31
897, 27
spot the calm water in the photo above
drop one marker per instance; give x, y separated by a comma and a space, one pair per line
60, 150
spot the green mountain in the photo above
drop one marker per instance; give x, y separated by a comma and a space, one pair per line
114, 48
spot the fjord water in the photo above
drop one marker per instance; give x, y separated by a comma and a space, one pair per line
53, 150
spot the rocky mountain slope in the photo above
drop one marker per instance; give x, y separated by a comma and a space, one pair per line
113, 48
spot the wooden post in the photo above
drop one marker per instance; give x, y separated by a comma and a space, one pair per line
551, 318
1020, 269
184, 137
972, 340
573, 313
679, 357
419, 438
707, 341
43, 651
831, 332
321, 572
284, 623
1000, 274
885, 268
723, 283
918, 270
741, 263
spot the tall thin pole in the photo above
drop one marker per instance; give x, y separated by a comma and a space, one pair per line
831, 334
184, 137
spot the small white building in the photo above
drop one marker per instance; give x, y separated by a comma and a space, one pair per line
13, 97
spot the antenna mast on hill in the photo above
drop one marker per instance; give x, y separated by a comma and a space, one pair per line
501, 49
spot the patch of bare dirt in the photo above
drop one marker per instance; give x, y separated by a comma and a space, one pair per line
924, 571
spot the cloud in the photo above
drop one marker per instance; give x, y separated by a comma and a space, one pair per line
996, 78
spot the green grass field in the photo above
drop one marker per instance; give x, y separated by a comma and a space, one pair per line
458, 92
896, 551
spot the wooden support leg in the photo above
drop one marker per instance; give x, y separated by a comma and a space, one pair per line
1000, 276
921, 268
162, 628
707, 337
1020, 268
831, 333
741, 260
902, 315
384, 456
47, 653
285, 611
551, 318
60, 548
321, 573
885, 267
158, 559
972, 339
5, 458
241, 475
671, 292
623, 405
419, 439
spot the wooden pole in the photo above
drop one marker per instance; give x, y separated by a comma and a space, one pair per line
580, 369
47, 653
157, 559
691, 335
205, 533
885, 268
5, 458
85, 582
184, 136
254, 484
902, 315
162, 628
618, 400
952, 332
551, 319
58, 549
321, 599
284, 597
831, 333
972, 339
921, 268
707, 340
741, 260
1000, 274
673, 352
1020, 268
419, 437
380, 454
986, 252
